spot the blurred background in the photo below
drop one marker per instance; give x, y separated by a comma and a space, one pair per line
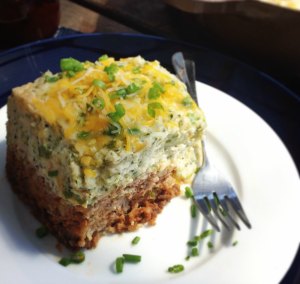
261, 33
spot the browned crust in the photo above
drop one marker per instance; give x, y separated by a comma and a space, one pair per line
78, 227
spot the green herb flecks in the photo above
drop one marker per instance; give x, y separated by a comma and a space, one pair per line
152, 107
210, 245
111, 71
136, 240
118, 114
71, 66
155, 91
176, 268
205, 234
53, 173
234, 243
124, 92
41, 232
44, 152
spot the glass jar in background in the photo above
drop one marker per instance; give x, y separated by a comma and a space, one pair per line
23, 21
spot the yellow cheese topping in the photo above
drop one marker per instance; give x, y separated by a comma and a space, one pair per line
94, 103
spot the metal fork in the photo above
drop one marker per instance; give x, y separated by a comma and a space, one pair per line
214, 195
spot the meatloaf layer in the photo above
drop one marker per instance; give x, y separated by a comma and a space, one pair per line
77, 227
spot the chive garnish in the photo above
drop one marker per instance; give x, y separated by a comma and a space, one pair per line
187, 258
136, 70
195, 252
187, 101
41, 232
99, 84
176, 268
83, 134
65, 261
205, 234
155, 91
77, 257
71, 66
52, 79
132, 88
136, 240
119, 264
210, 244
192, 243
134, 131
234, 243
118, 114
111, 70
114, 128
132, 258
193, 210
98, 103
103, 57
152, 107
188, 192
53, 173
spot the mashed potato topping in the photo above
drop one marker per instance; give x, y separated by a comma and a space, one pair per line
112, 121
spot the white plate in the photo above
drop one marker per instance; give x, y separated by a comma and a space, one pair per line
259, 166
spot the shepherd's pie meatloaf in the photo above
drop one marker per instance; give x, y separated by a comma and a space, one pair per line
101, 147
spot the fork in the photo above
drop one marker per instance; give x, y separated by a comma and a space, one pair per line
214, 196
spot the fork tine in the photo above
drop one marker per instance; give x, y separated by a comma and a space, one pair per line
228, 214
214, 206
237, 207
202, 205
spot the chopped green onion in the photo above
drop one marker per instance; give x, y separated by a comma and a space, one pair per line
44, 152
119, 264
155, 91
136, 70
99, 83
111, 70
195, 252
77, 257
210, 244
114, 128
71, 66
52, 79
188, 192
187, 101
132, 88
234, 243
98, 103
118, 114
65, 261
103, 57
176, 268
193, 210
187, 258
83, 134
205, 234
136, 240
192, 243
53, 173
41, 232
132, 258
134, 131
152, 107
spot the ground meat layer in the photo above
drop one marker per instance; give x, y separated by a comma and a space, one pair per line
124, 209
